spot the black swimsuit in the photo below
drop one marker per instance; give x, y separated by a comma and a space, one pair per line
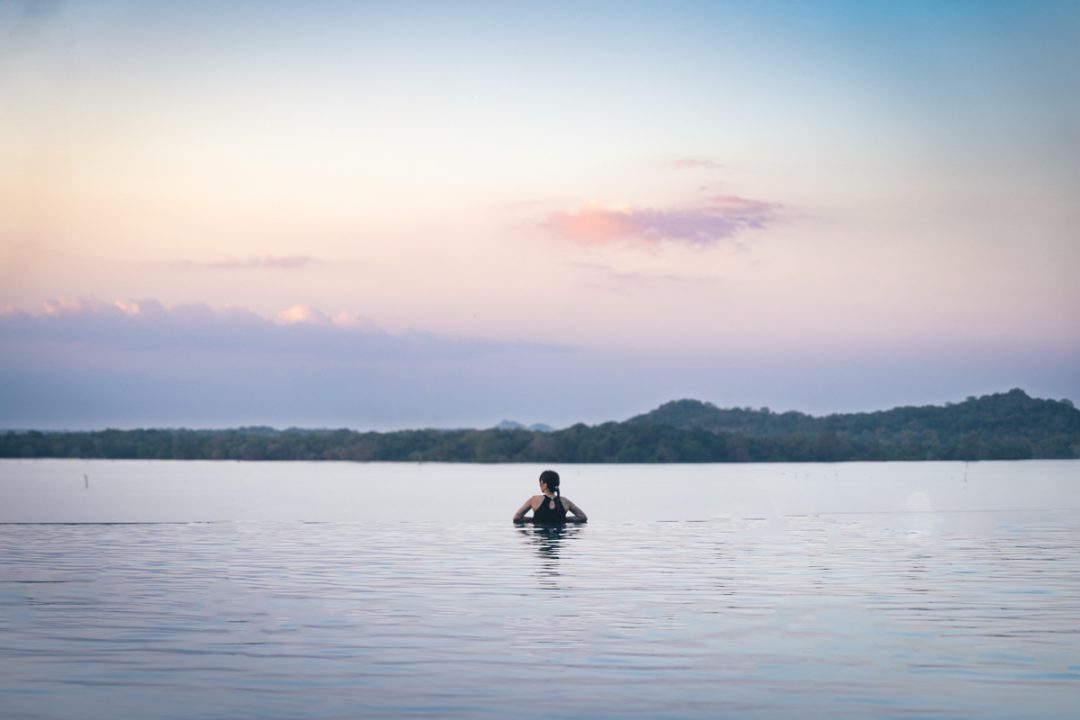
545, 515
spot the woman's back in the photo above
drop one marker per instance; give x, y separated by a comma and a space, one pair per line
551, 511
550, 508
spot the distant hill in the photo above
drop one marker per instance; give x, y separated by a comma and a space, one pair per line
697, 415
1000, 424
1004, 426
535, 427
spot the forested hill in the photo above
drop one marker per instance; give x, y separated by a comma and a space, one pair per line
1000, 419
1005, 426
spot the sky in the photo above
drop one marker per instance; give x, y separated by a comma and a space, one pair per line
428, 214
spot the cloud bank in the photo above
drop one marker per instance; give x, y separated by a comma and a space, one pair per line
89, 363
92, 364
723, 217
148, 325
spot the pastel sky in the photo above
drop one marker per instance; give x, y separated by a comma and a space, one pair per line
404, 214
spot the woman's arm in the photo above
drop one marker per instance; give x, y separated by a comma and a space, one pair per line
578, 513
526, 507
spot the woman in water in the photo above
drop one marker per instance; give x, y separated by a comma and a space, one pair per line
550, 508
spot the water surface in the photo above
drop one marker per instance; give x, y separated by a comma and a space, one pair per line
283, 590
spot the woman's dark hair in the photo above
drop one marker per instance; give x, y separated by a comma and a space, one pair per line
551, 479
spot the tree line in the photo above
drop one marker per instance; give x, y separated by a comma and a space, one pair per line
1005, 426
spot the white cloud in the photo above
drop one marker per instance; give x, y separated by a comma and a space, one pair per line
345, 319
302, 314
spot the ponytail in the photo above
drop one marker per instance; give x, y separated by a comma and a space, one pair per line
551, 479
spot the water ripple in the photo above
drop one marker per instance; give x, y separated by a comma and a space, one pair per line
810, 616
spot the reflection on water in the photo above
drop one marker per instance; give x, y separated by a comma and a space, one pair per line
548, 542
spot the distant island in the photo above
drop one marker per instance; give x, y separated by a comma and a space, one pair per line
1002, 426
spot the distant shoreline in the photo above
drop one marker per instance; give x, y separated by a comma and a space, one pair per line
1003, 426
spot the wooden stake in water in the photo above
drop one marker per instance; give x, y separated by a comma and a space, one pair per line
86, 481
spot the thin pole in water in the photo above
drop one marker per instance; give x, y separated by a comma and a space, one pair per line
86, 481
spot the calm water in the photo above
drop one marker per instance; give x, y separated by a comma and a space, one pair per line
285, 590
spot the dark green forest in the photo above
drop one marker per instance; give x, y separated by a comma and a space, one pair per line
1003, 426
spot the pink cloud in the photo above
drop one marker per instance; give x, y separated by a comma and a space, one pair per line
264, 262
301, 314
594, 224
306, 315
60, 306
150, 311
345, 319
720, 218
692, 163
64, 307
89, 313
